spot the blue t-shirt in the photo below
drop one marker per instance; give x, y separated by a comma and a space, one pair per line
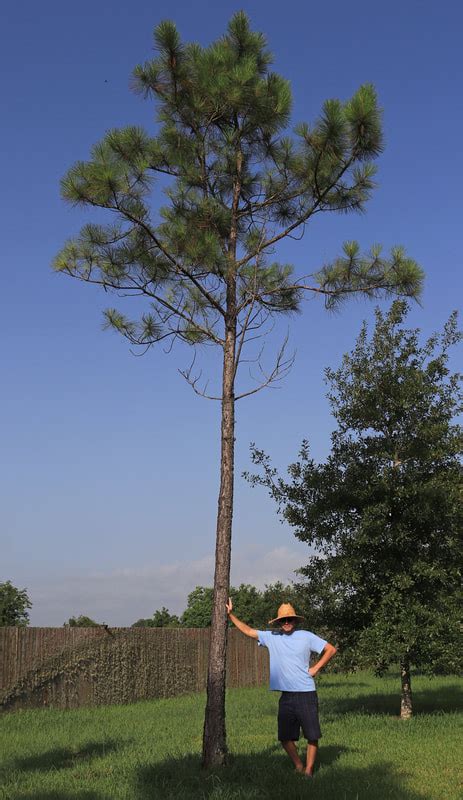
290, 659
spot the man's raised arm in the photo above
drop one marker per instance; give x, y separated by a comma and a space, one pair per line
240, 625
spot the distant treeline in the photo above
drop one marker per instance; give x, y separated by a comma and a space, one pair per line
254, 606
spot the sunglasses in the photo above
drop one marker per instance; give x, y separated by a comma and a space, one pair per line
283, 620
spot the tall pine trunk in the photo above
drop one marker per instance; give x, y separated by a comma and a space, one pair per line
406, 707
214, 737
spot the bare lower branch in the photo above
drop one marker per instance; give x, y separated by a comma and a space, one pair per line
279, 371
194, 381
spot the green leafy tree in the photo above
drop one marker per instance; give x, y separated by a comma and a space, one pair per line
205, 263
162, 618
198, 613
248, 604
385, 512
82, 621
13, 606
254, 606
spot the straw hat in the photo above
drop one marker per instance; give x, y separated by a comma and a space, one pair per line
285, 610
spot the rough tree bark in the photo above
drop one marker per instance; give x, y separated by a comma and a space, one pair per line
214, 738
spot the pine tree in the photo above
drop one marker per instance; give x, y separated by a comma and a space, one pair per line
384, 512
204, 264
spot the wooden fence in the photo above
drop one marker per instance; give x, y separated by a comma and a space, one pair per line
72, 667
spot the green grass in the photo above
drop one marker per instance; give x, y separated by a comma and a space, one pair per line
152, 749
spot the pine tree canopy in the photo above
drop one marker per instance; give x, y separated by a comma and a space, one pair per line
238, 183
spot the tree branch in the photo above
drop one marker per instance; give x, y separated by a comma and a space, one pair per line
193, 381
279, 371
210, 298
301, 219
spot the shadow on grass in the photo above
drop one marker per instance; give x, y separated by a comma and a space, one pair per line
266, 775
64, 757
60, 795
327, 684
425, 701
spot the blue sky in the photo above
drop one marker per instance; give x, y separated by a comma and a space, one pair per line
110, 462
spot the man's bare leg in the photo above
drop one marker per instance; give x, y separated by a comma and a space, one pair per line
312, 749
291, 749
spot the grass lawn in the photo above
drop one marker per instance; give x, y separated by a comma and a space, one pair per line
152, 749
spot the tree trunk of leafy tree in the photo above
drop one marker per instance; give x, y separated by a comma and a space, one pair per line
205, 262
406, 707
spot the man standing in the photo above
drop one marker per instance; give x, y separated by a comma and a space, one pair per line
292, 675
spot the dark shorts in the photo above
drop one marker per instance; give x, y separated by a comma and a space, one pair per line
298, 710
